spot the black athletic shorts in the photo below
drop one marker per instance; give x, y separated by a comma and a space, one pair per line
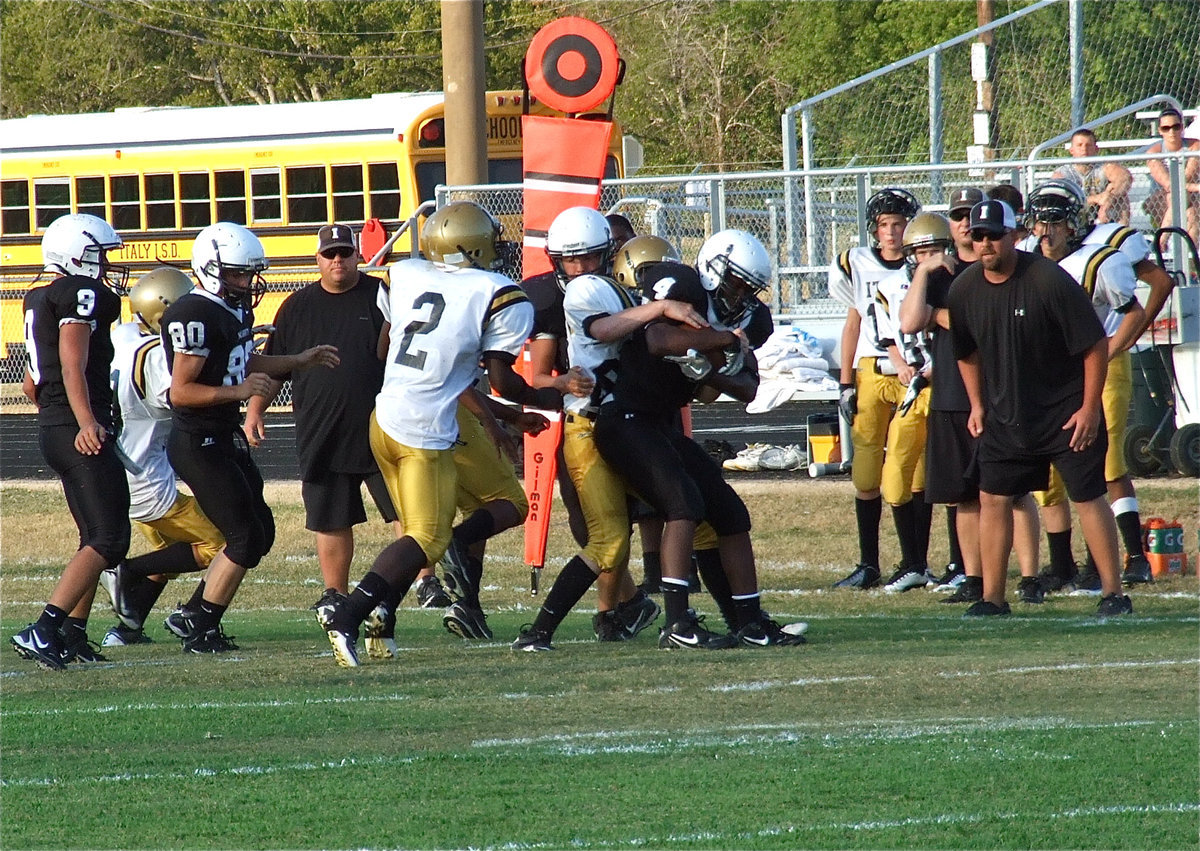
949, 448
334, 501
1010, 473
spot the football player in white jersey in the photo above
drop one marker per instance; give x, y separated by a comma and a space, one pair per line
871, 387
1133, 245
183, 539
1058, 216
448, 313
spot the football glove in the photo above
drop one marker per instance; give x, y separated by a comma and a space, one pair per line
694, 365
919, 383
848, 401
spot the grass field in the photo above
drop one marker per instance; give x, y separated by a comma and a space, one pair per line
900, 725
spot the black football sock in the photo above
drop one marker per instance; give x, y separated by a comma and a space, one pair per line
52, 618
652, 571
1062, 561
1129, 524
193, 602
143, 594
176, 558
478, 527
208, 615
79, 624
905, 517
708, 563
956, 557
568, 589
675, 599
924, 521
372, 590
747, 609
868, 512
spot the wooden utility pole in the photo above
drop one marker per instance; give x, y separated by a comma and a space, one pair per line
463, 82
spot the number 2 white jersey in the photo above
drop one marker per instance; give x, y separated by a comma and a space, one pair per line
140, 384
588, 297
444, 320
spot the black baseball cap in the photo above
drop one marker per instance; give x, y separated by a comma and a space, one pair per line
335, 236
965, 198
993, 216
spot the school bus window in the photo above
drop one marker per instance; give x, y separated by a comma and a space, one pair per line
264, 191
89, 196
194, 195
347, 193
51, 199
385, 190
126, 202
306, 194
231, 196
160, 202
14, 206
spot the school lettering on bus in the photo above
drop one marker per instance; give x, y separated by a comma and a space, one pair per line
504, 129
164, 250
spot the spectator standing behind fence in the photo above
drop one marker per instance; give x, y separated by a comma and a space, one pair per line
1105, 184
1158, 205
1033, 357
332, 407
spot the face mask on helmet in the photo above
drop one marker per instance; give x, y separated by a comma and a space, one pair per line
924, 231
734, 267
228, 261
1059, 201
78, 244
155, 292
635, 257
890, 200
579, 232
465, 235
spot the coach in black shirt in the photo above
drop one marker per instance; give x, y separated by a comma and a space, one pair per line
1033, 357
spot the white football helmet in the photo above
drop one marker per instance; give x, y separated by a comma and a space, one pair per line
734, 267
226, 249
78, 244
576, 231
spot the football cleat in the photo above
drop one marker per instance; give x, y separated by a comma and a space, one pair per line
122, 636
39, 645
1053, 579
786, 458
984, 609
211, 640
863, 576
970, 590
179, 622
456, 570
748, 459
466, 621
608, 627
77, 648
1113, 605
765, 632
637, 613
431, 594
322, 606
906, 578
951, 579
114, 581
343, 643
1137, 570
1087, 585
1031, 590
379, 633
532, 640
690, 634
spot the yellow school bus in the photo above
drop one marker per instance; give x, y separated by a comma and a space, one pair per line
160, 174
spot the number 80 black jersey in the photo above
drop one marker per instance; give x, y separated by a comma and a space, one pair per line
202, 324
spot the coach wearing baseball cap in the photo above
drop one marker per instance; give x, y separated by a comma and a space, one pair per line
959, 214
1033, 356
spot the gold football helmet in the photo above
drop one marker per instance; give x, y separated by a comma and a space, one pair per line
926, 229
638, 252
464, 234
155, 291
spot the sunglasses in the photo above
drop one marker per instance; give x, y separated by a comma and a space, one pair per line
979, 235
959, 215
1169, 128
341, 252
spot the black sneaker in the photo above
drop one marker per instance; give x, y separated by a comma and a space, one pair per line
122, 636
431, 594
951, 579
637, 613
179, 622
211, 640
608, 627
906, 578
864, 576
1137, 570
41, 646
340, 628
532, 640
466, 621
379, 633
1113, 605
690, 634
1054, 579
970, 590
765, 632
77, 648
456, 570
323, 606
985, 609
1088, 584
1030, 590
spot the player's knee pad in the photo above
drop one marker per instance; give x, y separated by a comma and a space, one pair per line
608, 552
728, 515
112, 544
247, 546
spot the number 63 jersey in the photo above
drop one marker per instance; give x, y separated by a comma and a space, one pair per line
444, 321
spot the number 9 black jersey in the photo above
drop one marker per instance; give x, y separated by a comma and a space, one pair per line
67, 300
202, 324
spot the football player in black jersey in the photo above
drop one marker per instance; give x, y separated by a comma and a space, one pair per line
70, 350
662, 367
208, 339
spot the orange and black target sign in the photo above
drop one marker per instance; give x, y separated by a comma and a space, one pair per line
572, 65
